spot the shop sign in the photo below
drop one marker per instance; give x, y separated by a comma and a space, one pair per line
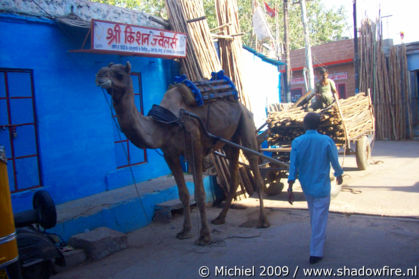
121, 38
338, 76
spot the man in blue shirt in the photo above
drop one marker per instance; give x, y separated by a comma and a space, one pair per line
311, 156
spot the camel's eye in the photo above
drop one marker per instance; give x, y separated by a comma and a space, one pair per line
118, 76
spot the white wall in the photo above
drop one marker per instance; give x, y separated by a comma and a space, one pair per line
261, 82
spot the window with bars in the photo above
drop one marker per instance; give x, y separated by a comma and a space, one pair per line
126, 153
18, 129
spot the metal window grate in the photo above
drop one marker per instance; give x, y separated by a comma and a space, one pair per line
126, 153
18, 129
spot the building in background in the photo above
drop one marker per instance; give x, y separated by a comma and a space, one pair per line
337, 57
413, 67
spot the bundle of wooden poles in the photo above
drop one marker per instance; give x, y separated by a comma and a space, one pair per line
230, 43
188, 16
385, 73
347, 120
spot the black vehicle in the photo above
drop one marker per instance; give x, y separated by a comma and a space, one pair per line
38, 250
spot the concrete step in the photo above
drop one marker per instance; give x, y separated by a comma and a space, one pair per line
125, 209
100, 242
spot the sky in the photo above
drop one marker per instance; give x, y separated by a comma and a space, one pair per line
397, 16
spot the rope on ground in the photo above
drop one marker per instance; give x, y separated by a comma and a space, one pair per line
244, 237
350, 190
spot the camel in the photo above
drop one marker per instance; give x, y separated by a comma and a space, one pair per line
225, 118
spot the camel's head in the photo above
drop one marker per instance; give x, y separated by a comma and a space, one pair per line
114, 78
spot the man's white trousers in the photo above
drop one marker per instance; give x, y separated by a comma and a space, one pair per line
319, 212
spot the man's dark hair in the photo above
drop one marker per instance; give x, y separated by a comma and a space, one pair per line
311, 121
323, 70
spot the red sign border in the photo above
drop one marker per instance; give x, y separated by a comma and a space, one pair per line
127, 53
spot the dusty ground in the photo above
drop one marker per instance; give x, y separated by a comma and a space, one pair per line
389, 187
362, 241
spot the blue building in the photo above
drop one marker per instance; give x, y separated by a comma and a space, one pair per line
55, 123
58, 128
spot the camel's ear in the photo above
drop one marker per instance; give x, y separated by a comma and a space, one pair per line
128, 67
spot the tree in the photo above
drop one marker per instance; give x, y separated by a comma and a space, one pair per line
326, 24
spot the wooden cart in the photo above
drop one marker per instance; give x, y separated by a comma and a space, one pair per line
349, 122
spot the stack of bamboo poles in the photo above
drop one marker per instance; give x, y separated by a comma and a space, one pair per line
246, 179
388, 78
188, 16
230, 43
349, 119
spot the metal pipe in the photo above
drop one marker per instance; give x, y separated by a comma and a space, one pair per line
270, 159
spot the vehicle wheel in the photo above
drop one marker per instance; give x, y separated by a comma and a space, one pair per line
37, 271
363, 153
274, 188
45, 208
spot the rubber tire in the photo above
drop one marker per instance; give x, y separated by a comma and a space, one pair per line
40, 270
275, 188
45, 209
363, 153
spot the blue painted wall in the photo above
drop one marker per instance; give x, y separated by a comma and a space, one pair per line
128, 215
76, 133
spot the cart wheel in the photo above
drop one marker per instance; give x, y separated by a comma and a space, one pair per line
363, 153
275, 188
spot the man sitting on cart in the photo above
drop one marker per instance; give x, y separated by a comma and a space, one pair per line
325, 91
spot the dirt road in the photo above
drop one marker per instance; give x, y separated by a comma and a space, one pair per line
357, 244
389, 187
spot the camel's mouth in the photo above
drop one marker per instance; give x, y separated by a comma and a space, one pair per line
104, 82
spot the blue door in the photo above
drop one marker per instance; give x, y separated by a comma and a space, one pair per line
18, 129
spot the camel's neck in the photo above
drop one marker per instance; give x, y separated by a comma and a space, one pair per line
140, 130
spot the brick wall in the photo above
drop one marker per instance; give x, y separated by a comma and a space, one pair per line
337, 57
324, 54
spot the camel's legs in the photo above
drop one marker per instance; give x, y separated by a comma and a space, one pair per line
248, 139
233, 157
174, 164
197, 157
253, 161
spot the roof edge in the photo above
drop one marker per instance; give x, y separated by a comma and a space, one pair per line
263, 57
